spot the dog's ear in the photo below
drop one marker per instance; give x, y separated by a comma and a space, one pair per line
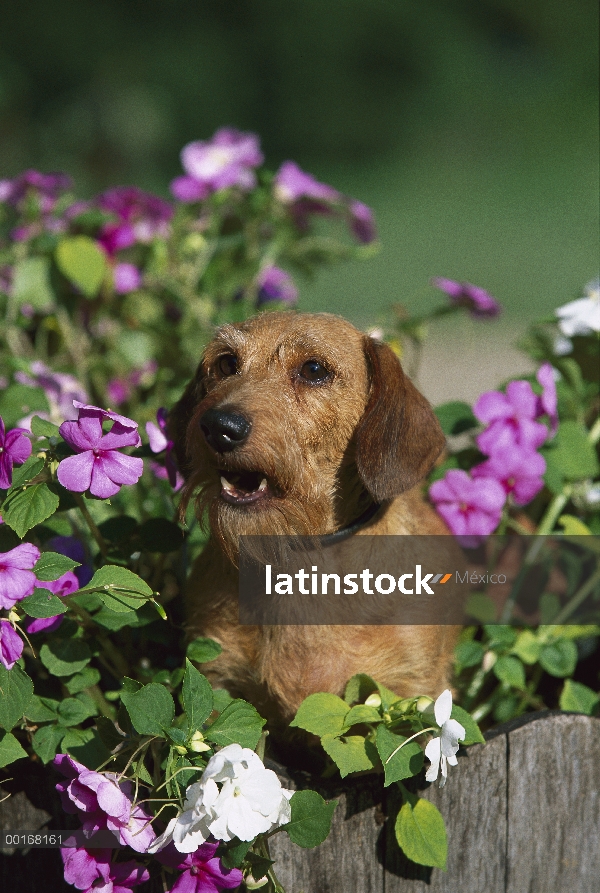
180, 417
398, 438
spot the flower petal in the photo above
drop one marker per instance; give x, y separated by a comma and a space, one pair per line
75, 472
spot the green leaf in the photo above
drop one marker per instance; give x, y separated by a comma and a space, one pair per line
469, 654
472, 732
359, 688
203, 650
511, 671
86, 746
221, 699
71, 712
81, 260
120, 589
360, 714
578, 698
16, 691
235, 854
42, 709
161, 535
10, 749
19, 400
197, 697
238, 723
421, 833
311, 819
321, 714
23, 509
63, 657
26, 472
559, 657
31, 283
42, 603
52, 565
570, 456
89, 676
108, 732
151, 709
348, 753
46, 742
527, 647
455, 417
408, 761
500, 636
572, 526
43, 428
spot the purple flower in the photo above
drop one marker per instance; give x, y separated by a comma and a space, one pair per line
61, 390
470, 508
142, 217
126, 278
11, 645
104, 803
511, 419
84, 868
362, 223
157, 435
202, 872
15, 448
65, 585
98, 466
547, 402
519, 471
292, 183
224, 161
275, 284
118, 390
17, 579
479, 302
45, 187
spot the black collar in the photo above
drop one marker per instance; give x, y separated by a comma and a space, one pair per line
351, 529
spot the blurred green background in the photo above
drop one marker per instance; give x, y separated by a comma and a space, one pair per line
470, 126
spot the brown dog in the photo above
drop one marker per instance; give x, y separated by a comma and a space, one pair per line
297, 424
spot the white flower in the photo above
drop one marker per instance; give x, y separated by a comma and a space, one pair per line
582, 316
250, 801
442, 751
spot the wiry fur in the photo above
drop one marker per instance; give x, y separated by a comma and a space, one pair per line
329, 451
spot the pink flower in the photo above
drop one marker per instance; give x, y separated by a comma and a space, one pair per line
470, 508
158, 443
46, 188
548, 401
511, 419
84, 868
202, 872
98, 466
292, 183
65, 585
126, 278
17, 579
15, 448
362, 223
104, 803
519, 471
274, 284
11, 645
60, 388
479, 302
224, 161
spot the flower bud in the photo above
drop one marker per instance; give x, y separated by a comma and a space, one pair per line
251, 884
179, 748
13, 617
489, 659
198, 744
373, 700
424, 703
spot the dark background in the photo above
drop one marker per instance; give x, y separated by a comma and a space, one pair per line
469, 125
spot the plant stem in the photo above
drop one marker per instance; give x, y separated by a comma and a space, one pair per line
578, 598
101, 542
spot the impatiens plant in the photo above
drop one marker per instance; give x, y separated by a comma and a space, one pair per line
106, 305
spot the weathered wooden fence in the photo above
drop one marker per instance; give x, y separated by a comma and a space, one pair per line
522, 813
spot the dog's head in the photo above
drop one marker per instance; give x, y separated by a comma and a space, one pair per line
293, 422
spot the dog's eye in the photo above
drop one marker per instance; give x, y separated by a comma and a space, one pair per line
314, 371
227, 364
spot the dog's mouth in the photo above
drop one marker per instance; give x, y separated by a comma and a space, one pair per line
243, 487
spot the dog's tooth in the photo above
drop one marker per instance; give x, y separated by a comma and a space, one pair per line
263, 484
226, 485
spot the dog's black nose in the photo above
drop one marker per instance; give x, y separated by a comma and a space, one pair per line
224, 431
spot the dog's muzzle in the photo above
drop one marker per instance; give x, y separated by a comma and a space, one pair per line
224, 431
